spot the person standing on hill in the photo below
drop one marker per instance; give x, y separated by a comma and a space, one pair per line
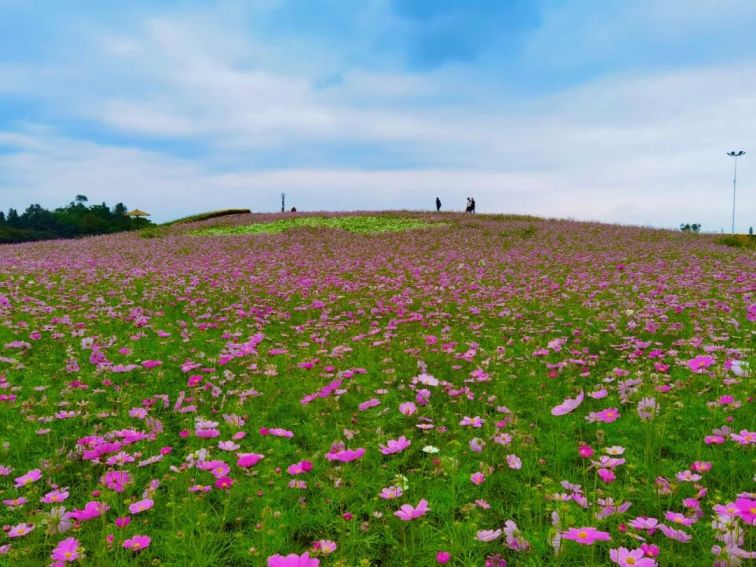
472, 205
438, 204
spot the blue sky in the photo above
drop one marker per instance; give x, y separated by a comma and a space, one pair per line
614, 111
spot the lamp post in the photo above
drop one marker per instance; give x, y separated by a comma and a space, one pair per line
283, 202
735, 155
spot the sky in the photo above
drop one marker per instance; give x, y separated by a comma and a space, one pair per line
593, 110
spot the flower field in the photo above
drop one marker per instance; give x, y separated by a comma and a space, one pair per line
418, 390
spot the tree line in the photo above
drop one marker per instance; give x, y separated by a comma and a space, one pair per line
78, 218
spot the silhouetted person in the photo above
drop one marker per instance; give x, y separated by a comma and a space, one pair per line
438, 204
468, 208
472, 205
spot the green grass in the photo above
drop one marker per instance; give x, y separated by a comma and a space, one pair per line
209, 215
357, 224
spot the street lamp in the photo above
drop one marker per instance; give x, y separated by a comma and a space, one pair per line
736, 155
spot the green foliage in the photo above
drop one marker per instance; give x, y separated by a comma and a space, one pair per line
75, 219
359, 224
738, 241
210, 215
687, 227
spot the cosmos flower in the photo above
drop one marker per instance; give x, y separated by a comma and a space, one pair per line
293, 560
488, 535
137, 543
67, 550
395, 445
408, 512
91, 510
30, 477
141, 506
20, 530
247, 460
345, 455
585, 536
627, 558
568, 405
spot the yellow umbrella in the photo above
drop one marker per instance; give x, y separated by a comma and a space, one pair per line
137, 213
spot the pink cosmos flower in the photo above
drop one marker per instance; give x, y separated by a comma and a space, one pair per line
91, 510
746, 510
514, 462
476, 421
299, 468
15, 502
607, 415
141, 506
137, 543
216, 468
745, 437
568, 405
32, 476
678, 518
443, 557
585, 451
325, 546
408, 512
277, 432
391, 492
224, 482
407, 408
514, 539
210, 433
369, 404
66, 550
688, 476
20, 530
607, 475
246, 460
586, 536
626, 558
477, 478
293, 560
395, 445
599, 394
228, 446
650, 550
477, 445
116, 480
701, 363
643, 523
488, 535
122, 521
55, 496
345, 455
671, 533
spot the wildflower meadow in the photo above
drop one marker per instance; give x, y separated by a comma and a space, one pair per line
386, 390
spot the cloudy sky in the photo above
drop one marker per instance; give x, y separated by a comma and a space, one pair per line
613, 111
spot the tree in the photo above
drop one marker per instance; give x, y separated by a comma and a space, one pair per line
13, 219
81, 199
687, 227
